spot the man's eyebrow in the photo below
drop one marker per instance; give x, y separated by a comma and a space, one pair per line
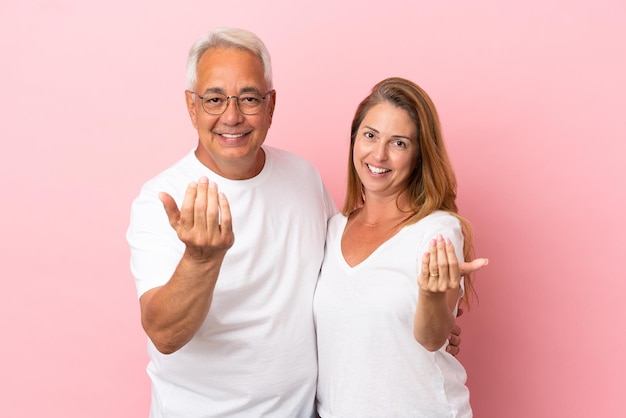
250, 89
213, 90
221, 91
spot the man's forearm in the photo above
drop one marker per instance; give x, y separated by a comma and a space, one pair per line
172, 314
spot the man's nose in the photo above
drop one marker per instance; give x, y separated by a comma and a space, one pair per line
232, 114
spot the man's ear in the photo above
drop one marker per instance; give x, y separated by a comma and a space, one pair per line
272, 104
191, 107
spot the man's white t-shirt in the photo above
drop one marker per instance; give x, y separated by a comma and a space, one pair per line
255, 353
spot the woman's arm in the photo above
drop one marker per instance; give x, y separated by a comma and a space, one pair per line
439, 288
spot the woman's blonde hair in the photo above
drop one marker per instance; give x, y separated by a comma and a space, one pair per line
432, 185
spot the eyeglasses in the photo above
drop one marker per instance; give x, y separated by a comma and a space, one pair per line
247, 103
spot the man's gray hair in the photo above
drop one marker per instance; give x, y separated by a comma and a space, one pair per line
228, 38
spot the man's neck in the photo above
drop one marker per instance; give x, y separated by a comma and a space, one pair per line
239, 169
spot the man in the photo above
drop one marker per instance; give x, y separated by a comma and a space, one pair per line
226, 283
243, 345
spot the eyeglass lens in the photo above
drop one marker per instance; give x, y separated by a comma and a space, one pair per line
216, 103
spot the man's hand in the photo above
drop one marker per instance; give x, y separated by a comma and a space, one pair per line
204, 222
454, 340
171, 314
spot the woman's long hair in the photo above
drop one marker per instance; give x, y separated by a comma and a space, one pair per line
432, 185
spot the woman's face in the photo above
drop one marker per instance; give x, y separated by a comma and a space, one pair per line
385, 150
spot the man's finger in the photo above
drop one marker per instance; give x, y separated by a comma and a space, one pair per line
186, 208
200, 205
212, 209
453, 349
226, 219
454, 340
171, 209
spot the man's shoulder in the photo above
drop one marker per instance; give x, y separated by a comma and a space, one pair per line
178, 173
337, 220
289, 159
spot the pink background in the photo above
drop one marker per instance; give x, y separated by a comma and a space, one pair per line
531, 95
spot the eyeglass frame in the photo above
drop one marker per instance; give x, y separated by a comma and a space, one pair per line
263, 97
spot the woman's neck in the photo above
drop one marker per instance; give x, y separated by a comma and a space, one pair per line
377, 211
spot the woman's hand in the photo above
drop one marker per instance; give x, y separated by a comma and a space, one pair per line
440, 268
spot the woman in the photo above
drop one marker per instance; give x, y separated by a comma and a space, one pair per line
389, 287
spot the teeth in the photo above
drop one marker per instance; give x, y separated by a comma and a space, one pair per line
377, 170
231, 136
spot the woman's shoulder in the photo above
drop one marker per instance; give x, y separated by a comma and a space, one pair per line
441, 216
437, 222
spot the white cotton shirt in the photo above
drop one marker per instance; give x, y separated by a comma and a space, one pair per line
254, 356
370, 364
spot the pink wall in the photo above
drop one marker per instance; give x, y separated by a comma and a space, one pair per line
531, 95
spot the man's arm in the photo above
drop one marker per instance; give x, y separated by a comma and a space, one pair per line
171, 314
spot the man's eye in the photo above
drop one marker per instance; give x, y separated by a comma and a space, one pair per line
213, 100
250, 99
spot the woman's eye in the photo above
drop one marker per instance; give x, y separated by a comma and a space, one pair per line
399, 144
